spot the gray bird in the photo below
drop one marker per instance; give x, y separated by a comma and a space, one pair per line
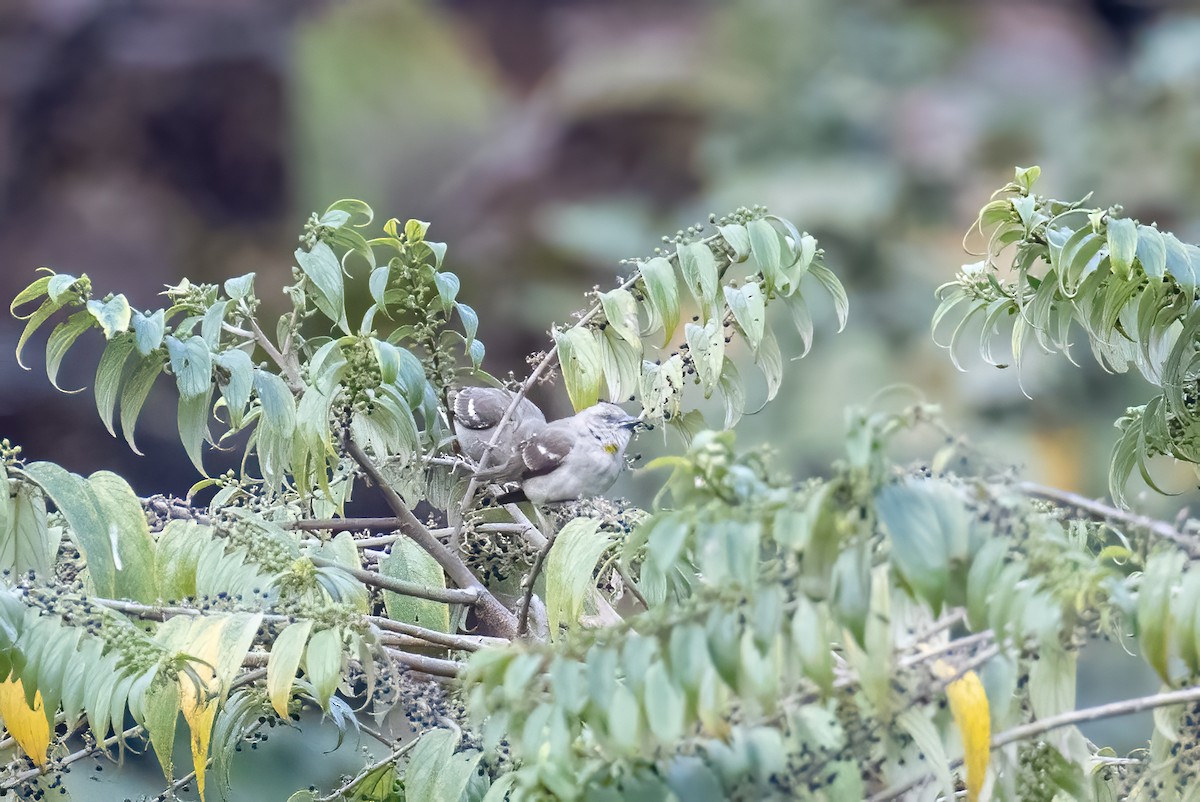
477, 411
574, 457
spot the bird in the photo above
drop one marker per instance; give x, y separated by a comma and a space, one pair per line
477, 412
573, 457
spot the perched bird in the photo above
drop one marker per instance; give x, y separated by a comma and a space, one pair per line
572, 458
477, 411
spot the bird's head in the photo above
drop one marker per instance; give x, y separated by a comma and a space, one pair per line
611, 419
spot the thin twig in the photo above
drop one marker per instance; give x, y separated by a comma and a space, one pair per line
1104, 512
449, 595
346, 524
434, 666
530, 581
396, 754
468, 643
290, 373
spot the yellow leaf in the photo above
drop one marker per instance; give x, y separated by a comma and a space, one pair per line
969, 704
198, 701
28, 728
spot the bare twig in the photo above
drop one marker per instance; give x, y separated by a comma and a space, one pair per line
346, 524
286, 364
397, 753
450, 595
494, 616
433, 666
530, 581
469, 643
1104, 512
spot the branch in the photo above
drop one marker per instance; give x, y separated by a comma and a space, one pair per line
530, 581
1103, 512
1025, 732
469, 643
469, 595
433, 666
288, 366
492, 614
346, 524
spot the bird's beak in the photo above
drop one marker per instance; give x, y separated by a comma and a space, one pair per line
632, 423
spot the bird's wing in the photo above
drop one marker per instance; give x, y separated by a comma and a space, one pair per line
480, 407
546, 450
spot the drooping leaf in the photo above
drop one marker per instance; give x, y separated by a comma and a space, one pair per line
706, 345
109, 372
25, 723
285, 657
192, 419
700, 274
130, 543
1122, 245
749, 309
662, 294
162, 719
60, 341
148, 331
969, 705
569, 567
323, 663
135, 392
837, 292
323, 270
582, 365
767, 247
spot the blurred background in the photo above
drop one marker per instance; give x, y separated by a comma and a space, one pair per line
141, 142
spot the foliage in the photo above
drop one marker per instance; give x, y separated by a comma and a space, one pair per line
881, 632
238, 613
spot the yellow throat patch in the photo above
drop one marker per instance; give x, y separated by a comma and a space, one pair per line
611, 448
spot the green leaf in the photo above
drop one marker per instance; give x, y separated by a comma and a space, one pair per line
1122, 245
767, 247
27, 543
803, 320
62, 288
700, 274
109, 372
135, 392
1152, 251
925, 736
276, 427
569, 568
324, 272
582, 365
162, 718
928, 524
235, 377
409, 562
706, 345
148, 331
112, 315
323, 663
770, 362
1180, 263
810, 641
284, 662
35, 322
436, 772
733, 393
191, 362
1155, 622
620, 310
130, 544
61, 339
833, 286
1052, 680
664, 703
622, 365
662, 293
625, 721
240, 287
749, 308
414, 230
210, 325
35, 290
470, 322
179, 547
192, 419
76, 500
662, 387
739, 239
447, 287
